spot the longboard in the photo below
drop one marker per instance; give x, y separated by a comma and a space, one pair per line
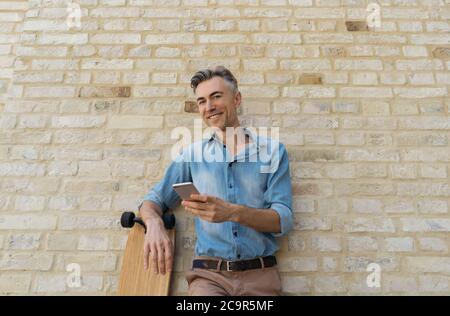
134, 279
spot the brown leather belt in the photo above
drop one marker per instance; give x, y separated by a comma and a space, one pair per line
242, 265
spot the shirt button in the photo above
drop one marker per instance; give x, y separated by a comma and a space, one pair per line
235, 234
239, 256
231, 185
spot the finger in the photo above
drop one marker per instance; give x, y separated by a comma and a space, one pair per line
195, 211
205, 215
169, 256
199, 197
154, 255
146, 253
197, 205
161, 265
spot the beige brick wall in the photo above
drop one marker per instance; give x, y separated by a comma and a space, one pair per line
86, 116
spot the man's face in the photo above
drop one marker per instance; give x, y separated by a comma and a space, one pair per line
217, 104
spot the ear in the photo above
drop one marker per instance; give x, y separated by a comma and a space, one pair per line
237, 99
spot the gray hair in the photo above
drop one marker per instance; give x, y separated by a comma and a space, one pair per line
218, 71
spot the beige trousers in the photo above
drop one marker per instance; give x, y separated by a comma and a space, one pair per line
255, 282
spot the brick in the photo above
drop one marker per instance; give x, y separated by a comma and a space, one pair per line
403, 171
135, 122
22, 261
296, 285
376, 225
419, 64
274, 38
430, 39
428, 264
434, 283
392, 78
70, 222
312, 224
78, 121
415, 51
433, 244
62, 241
50, 92
394, 284
62, 38
398, 206
356, 26
399, 244
329, 284
115, 12
105, 92
368, 206
11, 283
30, 203
116, 38
62, 168
426, 206
93, 242
366, 92
326, 244
168, 39
425, 123
63, 203
119, 64
362, 244
309, 92
305, 65
51, 283
164, 78
310, 79
310, 123
21, 169
24, 241
415, 27
425, 225
38, 77
380, 39
433, 171
304, 264
441, 52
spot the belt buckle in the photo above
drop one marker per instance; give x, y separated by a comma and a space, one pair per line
228, 266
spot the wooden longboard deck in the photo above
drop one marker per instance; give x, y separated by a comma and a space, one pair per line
134, 279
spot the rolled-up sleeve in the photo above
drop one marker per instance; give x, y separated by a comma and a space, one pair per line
162, 193
278, 195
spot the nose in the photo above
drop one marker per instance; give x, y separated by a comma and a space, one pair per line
210, 105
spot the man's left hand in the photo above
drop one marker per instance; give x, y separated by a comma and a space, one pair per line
210, 208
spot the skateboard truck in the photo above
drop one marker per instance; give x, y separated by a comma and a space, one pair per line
128, 219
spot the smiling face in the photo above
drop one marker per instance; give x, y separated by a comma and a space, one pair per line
217, 103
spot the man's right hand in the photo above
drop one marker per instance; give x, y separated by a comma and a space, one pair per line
158, 247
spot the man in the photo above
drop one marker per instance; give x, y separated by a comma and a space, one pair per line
244, 203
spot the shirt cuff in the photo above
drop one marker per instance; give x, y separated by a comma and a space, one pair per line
153, 197
286, 221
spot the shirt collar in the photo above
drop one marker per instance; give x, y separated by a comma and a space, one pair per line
248, 132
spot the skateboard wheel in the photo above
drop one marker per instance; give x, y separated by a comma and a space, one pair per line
169, 221
127, 219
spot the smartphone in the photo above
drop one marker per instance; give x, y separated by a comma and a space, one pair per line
185, 190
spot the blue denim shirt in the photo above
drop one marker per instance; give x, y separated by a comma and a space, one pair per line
258, 177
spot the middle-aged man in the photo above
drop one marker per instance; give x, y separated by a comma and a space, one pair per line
245, 201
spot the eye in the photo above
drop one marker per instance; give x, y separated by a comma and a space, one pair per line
217, 96
201, 102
